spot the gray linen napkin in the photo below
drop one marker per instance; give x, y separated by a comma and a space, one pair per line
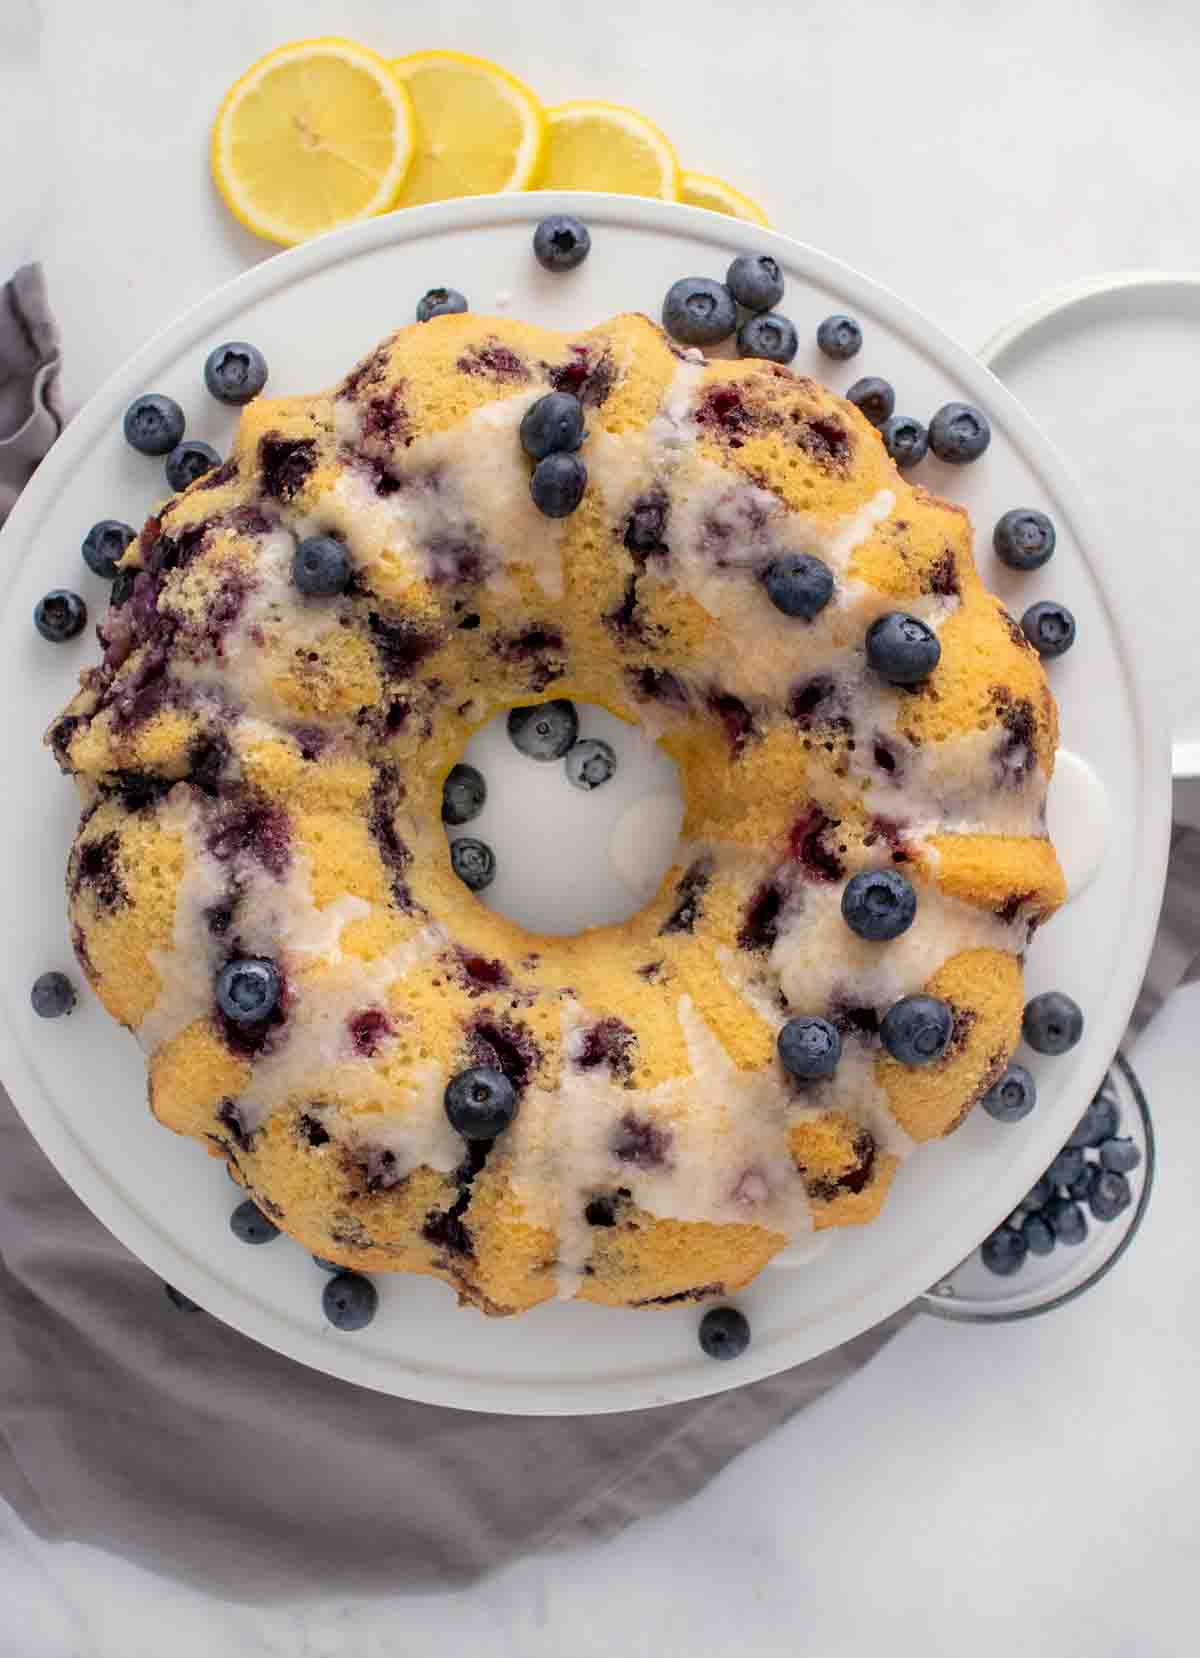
163, 1435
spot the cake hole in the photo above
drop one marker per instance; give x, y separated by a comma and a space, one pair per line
569, 858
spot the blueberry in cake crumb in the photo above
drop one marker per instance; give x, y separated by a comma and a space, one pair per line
60, 616
553, 425
1066, 1167
799, 584
875, 397
1066, 1220
463, 795
917, 1029
557, 485
809, 1047
1119, 1156
183, 1303
250, 1225
349, 1301
724, 1333
473, 861
1109, 1194
235, 372
248, 989
590, 763
561, 242
320, 566
755, 281
1024, 538
959, 433
1004, 1252
879, 904
1052, 1023
1039, 1239
769, 336
905, 439
440, 302
545, 730
699, 311
104, 545
902, 649
839, 337
154, 424
480, 1102
1049, 628
52, 995
1011, 1099
189, 461
326, 1265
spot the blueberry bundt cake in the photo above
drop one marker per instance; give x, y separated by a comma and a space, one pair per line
404, 1080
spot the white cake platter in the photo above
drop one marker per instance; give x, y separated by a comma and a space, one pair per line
79, 1082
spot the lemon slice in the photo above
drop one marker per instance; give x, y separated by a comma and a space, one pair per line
314, 135
703, 190
598, 146
479, 129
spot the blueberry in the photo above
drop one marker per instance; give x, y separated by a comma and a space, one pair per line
698, 311
875, 397
441, 302
809, 1047
248, 989
1109, 1194
879, 904
327, 1265
724, 1333
189, 461
1081, 1187
184, 1303
350, 1301
463, 795
1099, 1122
590, 763
320, 567
1039, 1239
769, 336
104, 544
1039, 1194
917, 1029
235, 372
60, 616
52, 995
1023, 538
552, 425
561, 242
473, 861
480, 1102
1121, 1156
755, 281
799, 584
1067, 1220
905, 440
1049, 628
558, 484
544, 731
1004, 1252
1012, 1098
958, 433
840, 338
154, 424
902, 649
1052, 1023
248, 1223
1066, 1167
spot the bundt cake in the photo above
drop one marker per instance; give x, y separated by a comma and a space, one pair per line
261, 770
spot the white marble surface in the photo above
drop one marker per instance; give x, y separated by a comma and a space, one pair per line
976, 1491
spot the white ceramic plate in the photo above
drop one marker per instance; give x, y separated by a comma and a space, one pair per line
79, 1082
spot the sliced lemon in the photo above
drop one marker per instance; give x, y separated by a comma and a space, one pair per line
703, 190
598, 146
479, 129
314, 135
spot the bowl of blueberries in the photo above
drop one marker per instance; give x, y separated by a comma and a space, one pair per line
1074, 1223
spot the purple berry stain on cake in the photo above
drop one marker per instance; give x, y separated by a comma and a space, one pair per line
98, 869
824, 440
942, 576
734, 715
722, 410
586, 375
689, 898
253, 829
385, 418
495, 362
285, 465
368, 1031
659, 685
505, 1044
807, 844
230, 1118
891, 832
824, 1188
386, 795
402, 645
641, 1143
760, 930
480, 975
1014, 758
607, 1044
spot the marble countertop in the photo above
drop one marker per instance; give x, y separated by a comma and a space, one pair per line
975, 1490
